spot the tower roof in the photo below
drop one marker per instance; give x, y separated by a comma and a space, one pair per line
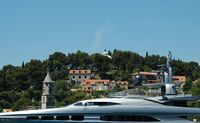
48, 78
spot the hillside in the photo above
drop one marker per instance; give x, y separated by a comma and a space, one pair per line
22, 85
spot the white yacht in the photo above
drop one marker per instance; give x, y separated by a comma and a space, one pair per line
109, 110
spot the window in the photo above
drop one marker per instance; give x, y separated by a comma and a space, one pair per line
101, 103
139, 118
43, 99
50, 90
47, 117
77, 117
96, 104
62, 118
85, 77
50, 117
89, 104
79, 77
32, 118
73, 77
78, 104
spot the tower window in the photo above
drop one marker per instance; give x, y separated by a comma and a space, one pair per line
43, 99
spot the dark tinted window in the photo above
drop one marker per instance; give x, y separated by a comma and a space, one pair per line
127, 118
32, 117
62, 118
47, 117
77, 117
101, 103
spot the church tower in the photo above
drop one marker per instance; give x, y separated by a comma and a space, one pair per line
47, 99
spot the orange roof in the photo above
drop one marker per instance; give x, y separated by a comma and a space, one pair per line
80, 72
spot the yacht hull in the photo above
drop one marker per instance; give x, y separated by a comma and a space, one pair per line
85, 121
123, 113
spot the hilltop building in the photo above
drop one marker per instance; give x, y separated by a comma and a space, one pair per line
78, 76
90, 85
47, 99
153, 77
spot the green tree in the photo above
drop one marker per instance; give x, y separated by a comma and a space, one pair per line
61, 90
21, 104
187, 87
79, 60
121, 75
100, 94
76, 96
196, 88
36, 72
101, 65
153, 60
57, 61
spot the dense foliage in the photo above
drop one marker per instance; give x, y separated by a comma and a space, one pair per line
23, 85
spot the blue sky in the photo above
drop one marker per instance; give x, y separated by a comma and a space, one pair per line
34, 29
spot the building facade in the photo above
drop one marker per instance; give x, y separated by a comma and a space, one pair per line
102, 85
78, 76
154, 77
90, 85
179, 78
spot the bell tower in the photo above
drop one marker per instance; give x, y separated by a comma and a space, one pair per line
47, 99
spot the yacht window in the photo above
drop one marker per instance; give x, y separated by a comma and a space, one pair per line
32, 118
89, 104
78, 104
101, 103
139, 118
47, 117
77, 117
62, 118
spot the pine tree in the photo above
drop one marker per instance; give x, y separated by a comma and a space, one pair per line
23, 64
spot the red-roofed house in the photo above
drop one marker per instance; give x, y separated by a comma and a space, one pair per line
90, 85
78, 76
